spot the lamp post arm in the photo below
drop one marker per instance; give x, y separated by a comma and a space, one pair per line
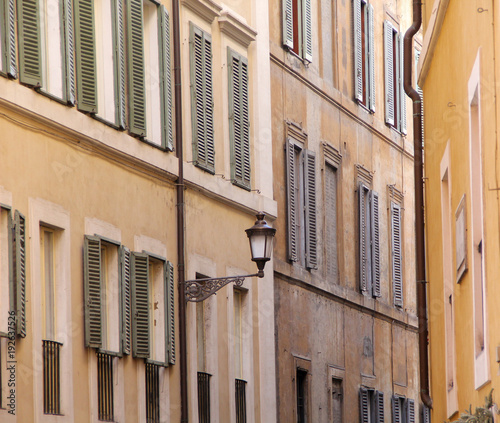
200, 289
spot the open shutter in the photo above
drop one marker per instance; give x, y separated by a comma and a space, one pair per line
92, 288
166, 80
364, 416
307, 29
10, 38
20, 273
310, 214
85, 56
379, 407
426, 414
397, 262
402, 99
371, 59
410, 411
292, 200
209, 103
120, 64
137, 97
375, 239
288, 23
358, 51
140, 305
28, 27
169, 313
69, 62
126, 307
363, 239
389, 73
396, 410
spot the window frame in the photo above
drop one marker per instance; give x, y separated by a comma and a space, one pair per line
297, 28
371, 405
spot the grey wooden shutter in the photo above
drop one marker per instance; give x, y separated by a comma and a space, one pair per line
371, 60
397, 262
166, 80
291, 200
85, 56
410, 410
331, 222
363, 239
239, 121
137, 96
119, 56
358, 51
426, 414
126, 307
28, 28
396, 410
288, 23
10, 38
169, 313
69, 59
310, 210
93, 291
364, 416
20, 273
379, 407
307, 29
389, 73
140, 305
375, 241
402, 99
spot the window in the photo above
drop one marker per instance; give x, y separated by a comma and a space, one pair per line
203, 397
301, 210
396, 255
395, 97
297, 27
331, 181
105, 382
239, 121
364, 54
46, 47
369, 243
337, 401
240, 384
8, 38
152, 393
202, 107
371, 405
403, 410
302, 393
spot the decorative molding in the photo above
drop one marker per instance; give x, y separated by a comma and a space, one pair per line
395, 195
461, 238
332, 155
207, 9
235, 28
364, 175
295, 131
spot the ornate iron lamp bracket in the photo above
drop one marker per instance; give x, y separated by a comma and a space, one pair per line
200, 289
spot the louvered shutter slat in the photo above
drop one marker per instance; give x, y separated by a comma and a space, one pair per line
375, 239
397, 262
10, 45
358, 51
310, 215
401, 85
291, 197
426, 414
120, 65
92, 287
140, 305
30, 61
126, 306
363, 278
166, 81
70, 52
396, 409
288, 23
20, 273
364, 416
389, 73
371, 60
410, 406
170, 313
209, 103
379, 399
307, 30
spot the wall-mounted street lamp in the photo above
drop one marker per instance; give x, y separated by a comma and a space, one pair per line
261, 237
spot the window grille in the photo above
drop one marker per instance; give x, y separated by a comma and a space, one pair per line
152, 393
51, 377
204, 397
241, 403
105, 386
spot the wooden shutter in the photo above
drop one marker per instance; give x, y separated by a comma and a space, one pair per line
119, 56
20, 273
307, 29
140, 305
28, 28
331, 222
410, 411
137, 96
239, 122
397, 262
92, 289
166, 80
402, 99
292, 200
126, 307
375, 244
396, 410
379, 407
426, 414
389, 73
169, 313
310, 209
363, 239
85, 56
364, 416
69, 57
288, 23
358, 51
371, 60
10, 38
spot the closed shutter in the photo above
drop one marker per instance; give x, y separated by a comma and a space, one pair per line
396, 410
307, 29
239, 122
121, 112
310, 210
363, 239
364, 416
426, 414
375, 240
410, 410
371, 59
140, 305
402, 93
292, 200
389, 73
379, 404
10, 38
166, 80
85, 56
397, 262
92, 288
170, 313
20, 273
69, 62
126, 306
28, 28
331, 223
358, 51
137, 96
288, 23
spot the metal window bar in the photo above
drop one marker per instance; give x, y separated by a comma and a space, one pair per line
152, 393
105, 386
51, 377
204, 397
241, 401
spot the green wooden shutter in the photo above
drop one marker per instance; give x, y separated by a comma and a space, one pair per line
137, 97
410, 411
389, 73
310, 210
69, 59
166, 79
140, 305
307, 29
93, 291
85, 56
364, 416
363, 239
28, 28
20, 273
396, 410
397, 262
119, 62
402, 94
288, 23
379, 407
239, 121
126, 307
292, 200
371, 60
375, 244
10, 38
358, 51
169, 313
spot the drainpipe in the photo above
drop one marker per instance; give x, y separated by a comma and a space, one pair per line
419, 205
180, 213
